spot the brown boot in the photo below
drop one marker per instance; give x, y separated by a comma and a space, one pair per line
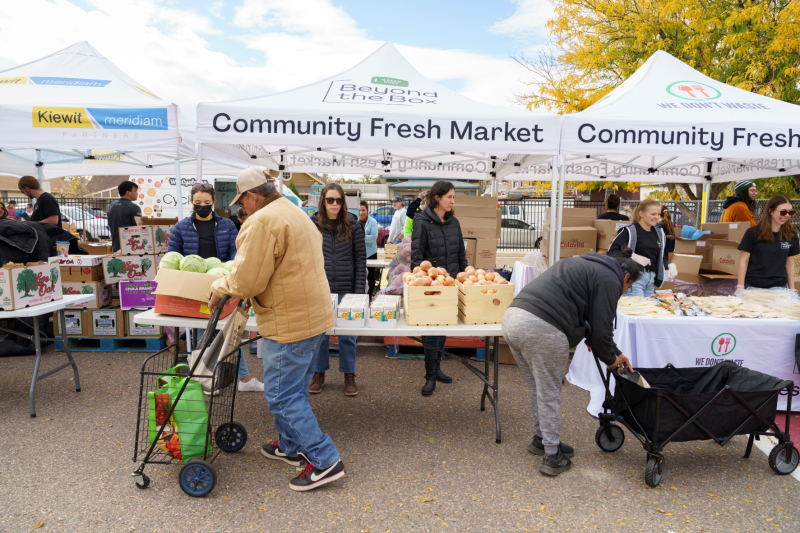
350, 388
315, 387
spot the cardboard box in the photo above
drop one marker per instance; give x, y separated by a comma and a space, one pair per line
686, 264
27, 285
186, 294
476, 206
691, 246
504, 356
479, 233
96, 248
574, 241
136, 240
107, 323
470, 245
606, 231
137, 294
667, 285
475, 222
161, 238
734, 230
129, 268
100, 290
353, 311
76, 320
703, 277
77, 273
139, 330
724, 257
573, 212
485, 253
150, 221
81, 260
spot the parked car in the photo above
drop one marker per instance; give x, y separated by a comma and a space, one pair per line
518, 234
383, 215
96, 211
88, 226
383, 235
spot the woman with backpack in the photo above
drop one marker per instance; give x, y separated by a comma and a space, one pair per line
437, 238
345, 253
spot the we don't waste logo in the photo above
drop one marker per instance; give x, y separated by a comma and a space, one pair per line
723, 344
692, 90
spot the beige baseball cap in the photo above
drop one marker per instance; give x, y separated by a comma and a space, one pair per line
249, 178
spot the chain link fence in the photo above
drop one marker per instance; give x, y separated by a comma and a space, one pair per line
89, 215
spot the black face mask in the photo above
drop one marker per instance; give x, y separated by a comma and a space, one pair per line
203, 210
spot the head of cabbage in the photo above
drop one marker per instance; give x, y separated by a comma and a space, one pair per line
228, 265
219, 271
171, 261
213, 262
193, 263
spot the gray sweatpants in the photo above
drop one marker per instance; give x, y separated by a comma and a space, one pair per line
542, 354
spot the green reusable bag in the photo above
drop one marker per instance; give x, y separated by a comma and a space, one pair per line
186, 435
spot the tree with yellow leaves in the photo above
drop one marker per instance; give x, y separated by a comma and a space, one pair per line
598, 44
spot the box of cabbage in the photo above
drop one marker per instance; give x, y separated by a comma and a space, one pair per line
184, 285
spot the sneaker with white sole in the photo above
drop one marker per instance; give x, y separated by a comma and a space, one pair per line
273, 451
251, 386
313, 477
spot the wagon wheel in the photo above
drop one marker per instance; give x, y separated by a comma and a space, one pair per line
778, 462
655, 470
609, 438
198, 478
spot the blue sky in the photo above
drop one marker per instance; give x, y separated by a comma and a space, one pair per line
221, 50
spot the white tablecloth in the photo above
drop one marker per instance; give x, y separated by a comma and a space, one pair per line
762, 344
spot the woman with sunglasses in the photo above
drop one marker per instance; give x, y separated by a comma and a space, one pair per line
345, 253
207, 234
767, 249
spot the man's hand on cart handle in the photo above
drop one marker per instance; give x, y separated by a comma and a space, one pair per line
213, 303
623, 362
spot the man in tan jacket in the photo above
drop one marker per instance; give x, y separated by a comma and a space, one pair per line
280, 267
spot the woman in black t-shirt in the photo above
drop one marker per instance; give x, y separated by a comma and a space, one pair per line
768, 248
612, 206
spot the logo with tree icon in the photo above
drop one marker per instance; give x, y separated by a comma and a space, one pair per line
160, 237
115, 267
87, 289
25, 282
53, 276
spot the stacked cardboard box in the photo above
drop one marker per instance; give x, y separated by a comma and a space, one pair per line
480, 219
30, 284
353, 311
578, 234
383, 311
714, 256
606, 232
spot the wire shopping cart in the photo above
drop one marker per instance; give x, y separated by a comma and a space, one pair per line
178, 422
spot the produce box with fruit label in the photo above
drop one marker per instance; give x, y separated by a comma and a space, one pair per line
26, 285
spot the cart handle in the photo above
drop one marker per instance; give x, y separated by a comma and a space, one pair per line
214, 318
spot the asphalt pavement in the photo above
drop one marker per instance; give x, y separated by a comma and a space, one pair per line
413, 463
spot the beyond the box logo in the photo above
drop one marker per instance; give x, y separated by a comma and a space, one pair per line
723, 344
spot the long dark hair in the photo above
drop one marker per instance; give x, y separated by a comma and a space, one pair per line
666, 219
341, 225
612, 202
628, 265
745, 197
440, 188
764, 227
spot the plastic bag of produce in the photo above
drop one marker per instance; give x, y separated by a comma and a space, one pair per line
171, 261
193, 263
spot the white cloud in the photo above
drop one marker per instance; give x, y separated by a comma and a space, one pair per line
216, 9
528, 21
167, 49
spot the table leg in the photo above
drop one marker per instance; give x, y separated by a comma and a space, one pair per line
495, 387
35, 377
176, 332
67, 351
485, 374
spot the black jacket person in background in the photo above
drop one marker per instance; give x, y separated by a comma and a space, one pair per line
123, 213
575, 299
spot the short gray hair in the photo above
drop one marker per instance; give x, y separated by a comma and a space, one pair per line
265, 189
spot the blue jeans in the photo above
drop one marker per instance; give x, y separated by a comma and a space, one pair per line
287, 370
644, 286
347, 353
430, 353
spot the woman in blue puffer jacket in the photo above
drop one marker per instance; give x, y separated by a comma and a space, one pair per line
207, 234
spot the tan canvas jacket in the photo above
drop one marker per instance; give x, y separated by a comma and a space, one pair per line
279, 265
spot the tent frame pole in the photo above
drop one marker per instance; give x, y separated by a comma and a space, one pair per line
553, 203
562, 176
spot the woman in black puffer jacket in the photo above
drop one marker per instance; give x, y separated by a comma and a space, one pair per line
346, 268
437, 238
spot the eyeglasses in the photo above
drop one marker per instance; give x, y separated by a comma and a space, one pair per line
784, 212
202, 186
337, 201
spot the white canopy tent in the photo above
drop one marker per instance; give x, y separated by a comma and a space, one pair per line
381, 116
670, 123
75, 113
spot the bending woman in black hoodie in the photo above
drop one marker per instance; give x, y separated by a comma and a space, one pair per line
437, 238
575, 299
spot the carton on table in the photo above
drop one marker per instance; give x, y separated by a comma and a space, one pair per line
81, 260
724, 257
76, 322
139, 330
606, 231
477, 206
485, 253
82, 273
101, 292
136, 240
26, 285
479, 233
688, 265
96, 248
352, 311
107, 323
186, 294
129, 268
573, 212
692, 246
574, 241
734, 230
137, 294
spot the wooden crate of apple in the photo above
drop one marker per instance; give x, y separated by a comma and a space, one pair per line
430, 297
483, 297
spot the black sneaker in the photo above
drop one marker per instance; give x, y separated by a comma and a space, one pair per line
553, 465
273, 451
537, 448
313, 477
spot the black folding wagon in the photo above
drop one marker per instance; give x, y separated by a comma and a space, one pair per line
686, 404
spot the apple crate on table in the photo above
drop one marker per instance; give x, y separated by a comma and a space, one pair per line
483, 304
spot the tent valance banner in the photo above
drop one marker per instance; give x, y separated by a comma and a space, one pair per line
381, 116
670, 123
78, 99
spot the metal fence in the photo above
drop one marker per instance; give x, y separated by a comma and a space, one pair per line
89, 215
